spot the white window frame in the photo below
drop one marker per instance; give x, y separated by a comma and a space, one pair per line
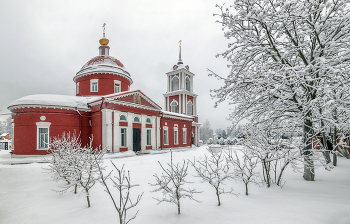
188, 111
42, 125
165, 136
171, 106
149, 137
150, 121
184, 135
123, 136
138, 119
117, 82
176, 136
91, 86
77, 90
121, 119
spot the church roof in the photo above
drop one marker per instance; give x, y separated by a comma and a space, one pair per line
53, 100
103, 64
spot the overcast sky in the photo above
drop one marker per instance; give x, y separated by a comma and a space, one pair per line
43, 44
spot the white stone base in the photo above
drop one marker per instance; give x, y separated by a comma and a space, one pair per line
215, 148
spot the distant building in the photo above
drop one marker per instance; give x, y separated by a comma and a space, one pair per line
119, 119
5, 136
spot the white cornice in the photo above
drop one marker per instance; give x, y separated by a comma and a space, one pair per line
182, 91
102, 72
11, 108
179, 70
176, 117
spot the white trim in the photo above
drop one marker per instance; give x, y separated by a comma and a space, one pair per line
43, 106
176, 138
184, 134
165, 128
150, 131
77, 89
93, 81
42, 125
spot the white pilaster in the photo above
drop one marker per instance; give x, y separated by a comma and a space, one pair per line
129, 136
106, 129
117, 136
158, 132
180, 105
143, 132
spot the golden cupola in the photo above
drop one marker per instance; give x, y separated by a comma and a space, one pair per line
104, 48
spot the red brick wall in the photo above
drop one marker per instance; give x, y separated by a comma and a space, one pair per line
170, 124
105, 84
62, 120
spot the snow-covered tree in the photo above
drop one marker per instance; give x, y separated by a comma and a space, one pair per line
222, 141
244, 167
275, 153
205, 131
214, 170
171, 183
289, 60
75, 164
122, 182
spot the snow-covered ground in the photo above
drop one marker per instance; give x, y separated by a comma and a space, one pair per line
27, 196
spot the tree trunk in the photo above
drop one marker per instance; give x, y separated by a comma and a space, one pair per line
218, 195
246, 188
75, 188
88, 201
335, 160
280, 176
309, 170
324, 141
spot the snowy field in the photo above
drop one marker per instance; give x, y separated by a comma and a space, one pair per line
27, 196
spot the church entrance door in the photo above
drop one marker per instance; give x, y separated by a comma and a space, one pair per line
136, 139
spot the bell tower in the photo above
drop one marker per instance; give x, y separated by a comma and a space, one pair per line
180, 97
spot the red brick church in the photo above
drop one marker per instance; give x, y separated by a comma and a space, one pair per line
118, 118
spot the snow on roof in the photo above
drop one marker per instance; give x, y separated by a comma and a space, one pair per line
176, 114
4, 134
54, 100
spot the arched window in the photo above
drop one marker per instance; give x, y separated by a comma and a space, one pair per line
148, 121
122, 118
136, 119
189, 108
188, 84
175, 84
174, 106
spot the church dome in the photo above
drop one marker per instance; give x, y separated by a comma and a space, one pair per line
103, 64
103, 60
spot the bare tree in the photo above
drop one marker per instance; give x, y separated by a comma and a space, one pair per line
244, 167
122, 182
214, 170
171, 183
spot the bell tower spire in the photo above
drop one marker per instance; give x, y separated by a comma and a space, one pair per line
104, 48
180, 61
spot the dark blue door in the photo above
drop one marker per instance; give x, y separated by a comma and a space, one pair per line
136, 139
